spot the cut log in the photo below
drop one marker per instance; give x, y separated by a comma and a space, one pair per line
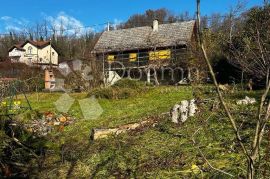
184, 110
181, 112
192, 108
104, 133
175, 113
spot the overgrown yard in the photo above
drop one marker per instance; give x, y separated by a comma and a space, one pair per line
165, 150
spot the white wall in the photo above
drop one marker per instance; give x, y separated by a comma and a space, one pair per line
16, 55
46, 54
36, 56
30, 58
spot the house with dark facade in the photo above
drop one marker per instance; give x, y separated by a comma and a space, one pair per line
149, 47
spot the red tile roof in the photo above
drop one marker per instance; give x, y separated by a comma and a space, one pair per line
38, 44
18, 46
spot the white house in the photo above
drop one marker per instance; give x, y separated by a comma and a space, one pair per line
34, 53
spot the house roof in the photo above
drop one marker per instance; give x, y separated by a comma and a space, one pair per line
38, 44
18, 46
172, 34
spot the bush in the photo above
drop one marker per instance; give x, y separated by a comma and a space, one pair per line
123, 89
127, 83
114, 93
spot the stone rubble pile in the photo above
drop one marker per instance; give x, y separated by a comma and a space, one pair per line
49, 122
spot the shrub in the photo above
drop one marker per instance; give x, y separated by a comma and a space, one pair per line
127, 83
106, 93
121, 90
114, 93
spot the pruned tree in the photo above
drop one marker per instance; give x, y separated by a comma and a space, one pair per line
251, 150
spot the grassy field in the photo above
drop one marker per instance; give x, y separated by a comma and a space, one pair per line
163, 151
115, 112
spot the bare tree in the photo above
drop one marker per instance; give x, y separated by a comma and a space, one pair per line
262, 114
249, 48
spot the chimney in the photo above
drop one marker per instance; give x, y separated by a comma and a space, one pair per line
108, 26
155, 25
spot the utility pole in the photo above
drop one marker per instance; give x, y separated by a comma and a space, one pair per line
199, 20
37, 57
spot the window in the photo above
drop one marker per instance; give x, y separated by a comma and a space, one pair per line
111, 58
30, 50
52, 53
132, 57
160, 55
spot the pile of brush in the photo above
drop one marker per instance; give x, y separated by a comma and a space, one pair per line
48, 122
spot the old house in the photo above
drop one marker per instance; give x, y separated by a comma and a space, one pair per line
41, 53
161, 46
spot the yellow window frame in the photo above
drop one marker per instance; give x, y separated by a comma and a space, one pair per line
133, 57
160, 55
111, 58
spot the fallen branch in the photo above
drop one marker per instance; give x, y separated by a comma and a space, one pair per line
98, 133
21, 144
25, 147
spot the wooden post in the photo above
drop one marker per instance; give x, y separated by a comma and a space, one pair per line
189, 74
103, 70
155, 77
148, 76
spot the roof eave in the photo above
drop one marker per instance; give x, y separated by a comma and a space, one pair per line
99, 51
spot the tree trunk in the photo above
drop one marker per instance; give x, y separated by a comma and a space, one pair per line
267, 77
250, 170
105, 133
242, 80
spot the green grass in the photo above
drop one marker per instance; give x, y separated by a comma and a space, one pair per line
163, 151
116, 112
